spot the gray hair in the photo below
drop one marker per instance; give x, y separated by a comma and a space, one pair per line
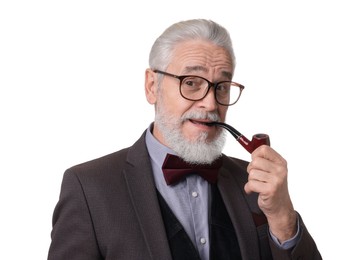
196, 29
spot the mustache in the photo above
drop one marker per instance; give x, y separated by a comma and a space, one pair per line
211, 116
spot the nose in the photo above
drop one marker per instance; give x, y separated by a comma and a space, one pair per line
209, 101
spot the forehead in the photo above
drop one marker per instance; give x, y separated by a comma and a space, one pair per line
201, 54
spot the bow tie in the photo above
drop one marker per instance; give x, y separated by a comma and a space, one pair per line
174, 169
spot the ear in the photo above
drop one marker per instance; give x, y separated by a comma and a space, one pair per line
150, 86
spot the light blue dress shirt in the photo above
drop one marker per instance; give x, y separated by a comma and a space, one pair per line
189, 199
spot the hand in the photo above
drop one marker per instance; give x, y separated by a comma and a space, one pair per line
268, 177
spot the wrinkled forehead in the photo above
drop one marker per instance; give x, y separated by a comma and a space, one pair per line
201, 56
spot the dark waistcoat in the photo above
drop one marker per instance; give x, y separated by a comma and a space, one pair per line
223, 239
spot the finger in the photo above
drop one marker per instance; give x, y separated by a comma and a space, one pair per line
268, 168
259, 163
257, 186
268, 160
268, 153
265, 182
259, 175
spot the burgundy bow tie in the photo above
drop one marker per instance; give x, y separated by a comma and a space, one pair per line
174, 169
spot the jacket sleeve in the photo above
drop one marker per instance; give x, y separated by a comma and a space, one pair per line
304, 249
73, 235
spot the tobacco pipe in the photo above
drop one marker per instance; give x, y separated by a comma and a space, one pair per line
250, 146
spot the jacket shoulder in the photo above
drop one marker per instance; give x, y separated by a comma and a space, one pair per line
113, 162
104, 162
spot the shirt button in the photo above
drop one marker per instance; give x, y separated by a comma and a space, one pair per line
194, 194
202, 240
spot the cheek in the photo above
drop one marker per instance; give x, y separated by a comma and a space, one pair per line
175, 105
222, 112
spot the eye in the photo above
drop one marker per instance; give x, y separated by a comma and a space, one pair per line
193, 82
223, 87
189, 82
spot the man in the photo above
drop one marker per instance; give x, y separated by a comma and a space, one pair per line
120, 206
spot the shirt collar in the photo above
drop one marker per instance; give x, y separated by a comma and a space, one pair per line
157, 151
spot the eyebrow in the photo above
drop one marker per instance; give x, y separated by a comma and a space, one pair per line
190, 69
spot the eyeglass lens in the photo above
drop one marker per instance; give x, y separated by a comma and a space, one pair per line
196, 88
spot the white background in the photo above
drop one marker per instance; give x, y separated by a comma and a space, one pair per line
71, 82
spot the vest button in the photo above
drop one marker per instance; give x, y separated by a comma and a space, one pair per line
194, 194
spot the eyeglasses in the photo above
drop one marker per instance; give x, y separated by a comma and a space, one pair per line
196, 88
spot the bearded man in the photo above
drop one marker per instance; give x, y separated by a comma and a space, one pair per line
174, 194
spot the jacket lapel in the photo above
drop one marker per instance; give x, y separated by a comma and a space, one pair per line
141, 186
231, 185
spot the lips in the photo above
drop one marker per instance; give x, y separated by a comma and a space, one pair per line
200, 122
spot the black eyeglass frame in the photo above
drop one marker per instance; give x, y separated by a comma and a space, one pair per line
210, 84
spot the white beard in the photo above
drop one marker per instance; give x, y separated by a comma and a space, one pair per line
198, 151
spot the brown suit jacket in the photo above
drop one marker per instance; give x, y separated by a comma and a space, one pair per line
108, 209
